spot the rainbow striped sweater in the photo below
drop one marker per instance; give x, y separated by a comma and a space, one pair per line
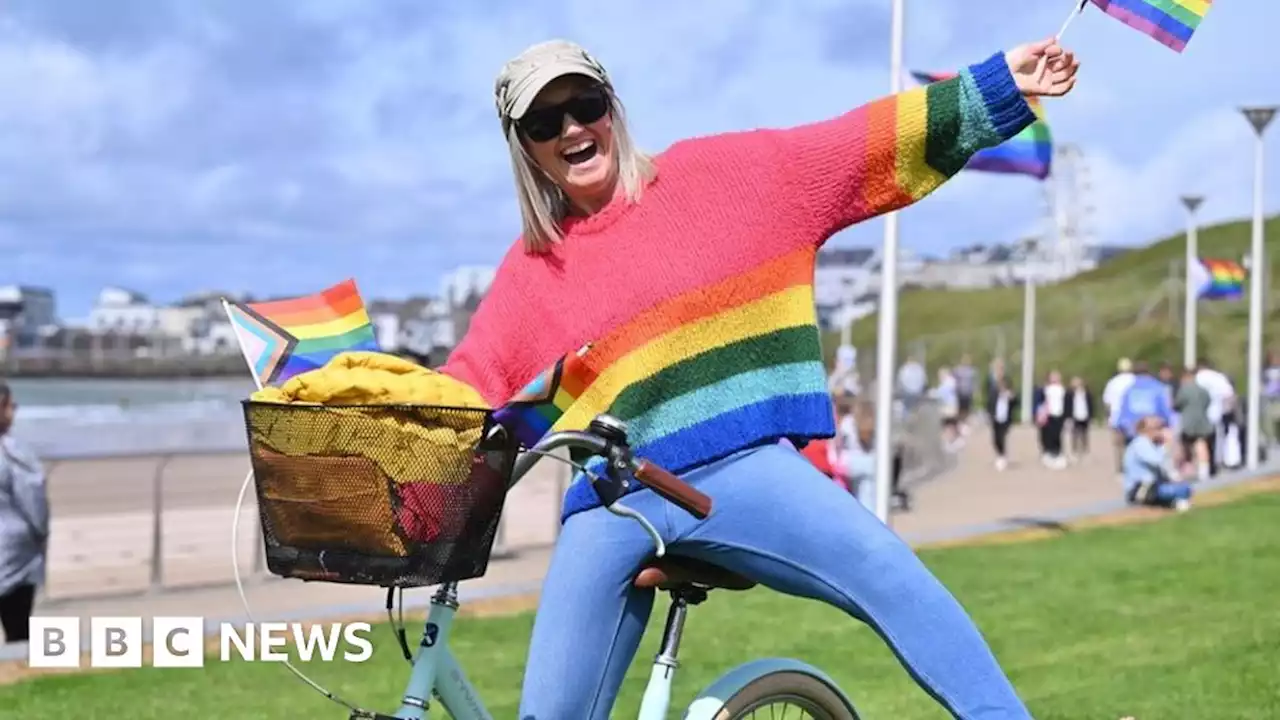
690, 314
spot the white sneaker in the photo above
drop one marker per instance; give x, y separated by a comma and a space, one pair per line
1001, 464
1182, 504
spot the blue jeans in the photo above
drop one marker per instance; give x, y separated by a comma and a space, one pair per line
1168, 493
779, 521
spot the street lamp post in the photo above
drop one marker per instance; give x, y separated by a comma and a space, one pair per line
1259, 118
887, 327
1189, 327
1028, 344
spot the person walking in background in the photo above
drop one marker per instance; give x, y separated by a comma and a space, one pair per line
1149, 478
1271, 397
855, 458
966, 383
1146, 397
991, 387
1051, 416
913, 382
1221, 396
1002, 405
948, 398
1112, 395
1080, 412
1195, 429
1234, 434
24, 526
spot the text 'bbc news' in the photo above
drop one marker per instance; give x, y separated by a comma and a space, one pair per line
179, 642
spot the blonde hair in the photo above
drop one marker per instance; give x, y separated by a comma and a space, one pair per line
543, 205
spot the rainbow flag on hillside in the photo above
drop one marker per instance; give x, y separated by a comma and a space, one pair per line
1170, 22
1218, 279
1030, 152
282, 338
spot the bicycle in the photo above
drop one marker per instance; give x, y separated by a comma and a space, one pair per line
762, 684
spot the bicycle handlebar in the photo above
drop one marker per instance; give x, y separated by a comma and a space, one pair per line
671, 487
607, 438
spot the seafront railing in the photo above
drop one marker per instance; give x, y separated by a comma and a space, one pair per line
159, 522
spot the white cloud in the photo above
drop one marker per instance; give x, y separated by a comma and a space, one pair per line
276, 146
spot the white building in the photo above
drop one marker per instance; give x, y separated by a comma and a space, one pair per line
433, 329
122, 311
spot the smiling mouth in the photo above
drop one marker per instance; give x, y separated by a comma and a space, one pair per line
580, 153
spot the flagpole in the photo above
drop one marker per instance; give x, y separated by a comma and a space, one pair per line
1191, 293
1259, 118
887, 330
235, 327
1078, 10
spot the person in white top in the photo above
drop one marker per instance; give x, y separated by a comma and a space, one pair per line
1222, 395
1052, 418
1112, 395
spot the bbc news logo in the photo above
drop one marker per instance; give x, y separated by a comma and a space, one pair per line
179, 642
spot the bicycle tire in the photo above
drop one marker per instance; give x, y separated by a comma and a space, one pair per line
814, 695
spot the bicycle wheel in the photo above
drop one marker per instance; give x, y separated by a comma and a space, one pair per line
786, 694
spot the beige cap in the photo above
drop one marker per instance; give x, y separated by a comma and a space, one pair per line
524, 76
1124, 365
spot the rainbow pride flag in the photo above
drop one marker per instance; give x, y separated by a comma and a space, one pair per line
1030, 152
1170, 22
283, 338
1218, 279
531, 413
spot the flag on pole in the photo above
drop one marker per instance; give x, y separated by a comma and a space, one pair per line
1170, 22
1218, 279
283, 338
1030, 152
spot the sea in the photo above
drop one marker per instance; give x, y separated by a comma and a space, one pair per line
63, 417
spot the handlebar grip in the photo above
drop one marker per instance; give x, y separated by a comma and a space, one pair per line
673, 488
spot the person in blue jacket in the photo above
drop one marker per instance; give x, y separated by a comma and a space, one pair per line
1146, 397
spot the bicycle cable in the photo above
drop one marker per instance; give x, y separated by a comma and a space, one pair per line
244, 600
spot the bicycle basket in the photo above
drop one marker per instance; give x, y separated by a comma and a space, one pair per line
386, 495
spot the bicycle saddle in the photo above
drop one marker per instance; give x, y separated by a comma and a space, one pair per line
673, 572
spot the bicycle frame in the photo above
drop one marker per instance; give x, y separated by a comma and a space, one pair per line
437, 673
435, 670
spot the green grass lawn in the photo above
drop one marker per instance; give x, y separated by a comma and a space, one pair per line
1172, 620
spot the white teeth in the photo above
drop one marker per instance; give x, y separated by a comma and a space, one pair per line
579, 147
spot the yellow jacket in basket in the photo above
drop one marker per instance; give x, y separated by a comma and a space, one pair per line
423, 445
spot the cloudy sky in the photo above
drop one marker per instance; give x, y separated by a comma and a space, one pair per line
277, 146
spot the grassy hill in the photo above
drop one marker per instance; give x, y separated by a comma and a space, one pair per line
1124, 308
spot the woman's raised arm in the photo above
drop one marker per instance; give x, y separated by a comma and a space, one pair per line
894, 151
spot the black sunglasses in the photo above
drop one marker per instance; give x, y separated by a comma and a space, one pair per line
545, 123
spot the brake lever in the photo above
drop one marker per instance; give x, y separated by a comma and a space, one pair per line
623, 511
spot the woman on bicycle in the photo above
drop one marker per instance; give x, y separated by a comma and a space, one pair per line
691, 274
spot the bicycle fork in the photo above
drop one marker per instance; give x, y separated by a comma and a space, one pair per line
657, 695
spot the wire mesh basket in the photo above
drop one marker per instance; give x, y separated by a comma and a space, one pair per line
385, 495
